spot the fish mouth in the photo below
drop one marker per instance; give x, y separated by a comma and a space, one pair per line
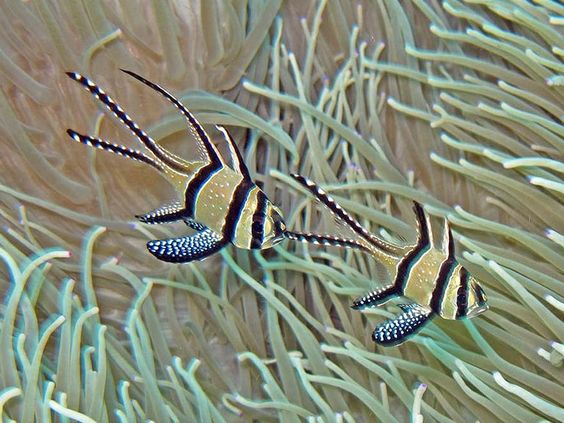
477, 310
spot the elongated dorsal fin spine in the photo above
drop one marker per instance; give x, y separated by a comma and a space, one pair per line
120, 150
322, 239
340, 213
234, 151
163, 155
197, 130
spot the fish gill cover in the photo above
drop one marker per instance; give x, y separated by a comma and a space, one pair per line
457, 105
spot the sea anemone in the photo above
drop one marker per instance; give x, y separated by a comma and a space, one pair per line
457, 105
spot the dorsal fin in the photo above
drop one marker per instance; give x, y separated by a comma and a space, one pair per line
118, 149
423, 224
448, 241
196, 128
164, 156
341, 214
238, 161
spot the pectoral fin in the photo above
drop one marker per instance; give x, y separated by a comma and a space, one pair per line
396, 331
188, 248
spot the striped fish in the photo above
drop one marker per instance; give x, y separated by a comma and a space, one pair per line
427, 274
220, 202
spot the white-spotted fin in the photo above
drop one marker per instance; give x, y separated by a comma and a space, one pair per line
177, 250
427, 274
398, 330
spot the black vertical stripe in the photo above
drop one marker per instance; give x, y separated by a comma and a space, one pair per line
462, 294
236, 206
445, 273
423, 243
195, 185
259, 217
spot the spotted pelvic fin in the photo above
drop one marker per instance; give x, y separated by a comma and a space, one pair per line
396, 331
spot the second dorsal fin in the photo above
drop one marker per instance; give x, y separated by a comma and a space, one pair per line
238, 162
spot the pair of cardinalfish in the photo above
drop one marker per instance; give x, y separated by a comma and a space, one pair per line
223, 205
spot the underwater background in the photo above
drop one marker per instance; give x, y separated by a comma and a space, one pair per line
456, 104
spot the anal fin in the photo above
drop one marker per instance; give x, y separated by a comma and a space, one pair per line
396, 331
375, 298
188, 248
